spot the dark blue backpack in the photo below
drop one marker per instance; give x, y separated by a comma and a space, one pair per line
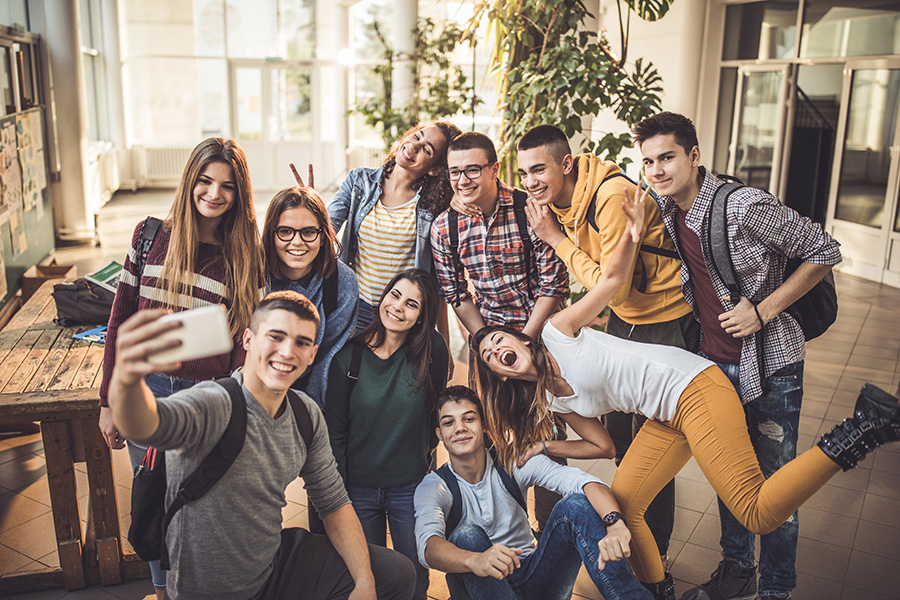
455, 515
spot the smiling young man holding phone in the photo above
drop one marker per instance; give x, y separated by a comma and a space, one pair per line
229, 544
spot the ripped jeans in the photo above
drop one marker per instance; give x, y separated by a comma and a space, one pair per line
772, 420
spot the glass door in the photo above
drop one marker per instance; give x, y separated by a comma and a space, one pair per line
864, 186
756, 147
272, 118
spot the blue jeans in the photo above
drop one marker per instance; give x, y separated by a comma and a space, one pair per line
772, 420
569, 540
377, 507
162, 386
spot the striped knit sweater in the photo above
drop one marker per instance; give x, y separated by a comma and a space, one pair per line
208, 288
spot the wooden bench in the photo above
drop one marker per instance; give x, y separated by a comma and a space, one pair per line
47, 376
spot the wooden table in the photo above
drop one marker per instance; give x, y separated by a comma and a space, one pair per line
47, 376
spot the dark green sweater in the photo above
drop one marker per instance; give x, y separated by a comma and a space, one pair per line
383, 432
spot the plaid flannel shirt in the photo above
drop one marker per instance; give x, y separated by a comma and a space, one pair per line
764, 234
493, 255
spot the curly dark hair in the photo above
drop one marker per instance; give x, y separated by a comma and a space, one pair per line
434, 190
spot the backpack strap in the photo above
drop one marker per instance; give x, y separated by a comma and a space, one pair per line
301, 415
520, 198
508, 482
216, 463
329, 304
717, 237
592, 221
453, 518
453, 232
330, 292
148, 233
355, 362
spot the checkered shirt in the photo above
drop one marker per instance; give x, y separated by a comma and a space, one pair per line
764, 234
493, 255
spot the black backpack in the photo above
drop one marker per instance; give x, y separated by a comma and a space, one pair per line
453, 519
149, 516
814, 312
519, 200
592, 221
83, 302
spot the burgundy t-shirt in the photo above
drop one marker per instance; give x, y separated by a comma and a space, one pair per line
717, 345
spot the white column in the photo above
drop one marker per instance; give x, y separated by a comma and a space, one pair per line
68, 196
406, 14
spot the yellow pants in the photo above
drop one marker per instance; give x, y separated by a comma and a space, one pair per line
710, 424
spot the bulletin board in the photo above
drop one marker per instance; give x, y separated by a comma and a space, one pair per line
26, 225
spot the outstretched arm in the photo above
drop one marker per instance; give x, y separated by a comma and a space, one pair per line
571, 319
132, 404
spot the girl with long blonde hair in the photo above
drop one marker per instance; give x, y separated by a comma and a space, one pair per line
206, 252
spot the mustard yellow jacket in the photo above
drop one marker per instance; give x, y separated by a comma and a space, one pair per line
654, 293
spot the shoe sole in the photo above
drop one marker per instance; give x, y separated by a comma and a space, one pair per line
878, 405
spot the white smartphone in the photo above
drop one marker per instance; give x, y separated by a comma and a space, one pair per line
203, 332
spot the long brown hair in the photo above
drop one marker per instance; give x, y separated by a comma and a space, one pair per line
418, 340
325, 262
237, 232
516, 412
434, 189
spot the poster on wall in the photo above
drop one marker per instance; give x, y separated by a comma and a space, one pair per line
17, 231
10, 174
31, 157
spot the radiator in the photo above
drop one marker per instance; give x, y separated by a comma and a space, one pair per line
366, 156
159, 164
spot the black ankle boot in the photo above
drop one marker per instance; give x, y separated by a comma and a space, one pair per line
875, 422
664, 590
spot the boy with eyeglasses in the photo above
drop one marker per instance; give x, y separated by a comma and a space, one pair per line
518, 280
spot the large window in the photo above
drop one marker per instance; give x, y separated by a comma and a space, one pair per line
92, 64
760, 30
850, 28
176, 55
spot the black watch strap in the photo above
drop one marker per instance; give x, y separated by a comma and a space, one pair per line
613, 517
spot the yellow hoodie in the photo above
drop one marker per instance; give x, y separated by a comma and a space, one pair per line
587, 251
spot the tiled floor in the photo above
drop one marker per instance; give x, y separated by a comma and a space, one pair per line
850, 531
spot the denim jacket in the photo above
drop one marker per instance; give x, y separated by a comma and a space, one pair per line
352, 203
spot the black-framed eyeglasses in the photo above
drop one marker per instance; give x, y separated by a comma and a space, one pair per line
307, 234
472, 172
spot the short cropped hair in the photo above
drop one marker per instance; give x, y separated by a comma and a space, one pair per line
472, 140
665, 123
290, 301
458, 393
546, 135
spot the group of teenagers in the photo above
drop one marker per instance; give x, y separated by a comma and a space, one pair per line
357, 331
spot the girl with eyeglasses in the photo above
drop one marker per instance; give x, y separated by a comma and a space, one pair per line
301, 251
206, 252
381, 423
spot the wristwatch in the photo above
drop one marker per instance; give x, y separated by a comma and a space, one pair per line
613, 517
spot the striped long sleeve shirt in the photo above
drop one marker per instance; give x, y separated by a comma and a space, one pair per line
208, 288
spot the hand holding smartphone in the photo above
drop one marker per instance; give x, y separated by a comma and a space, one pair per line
203, 332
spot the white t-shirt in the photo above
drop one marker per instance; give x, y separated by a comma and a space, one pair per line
608, 374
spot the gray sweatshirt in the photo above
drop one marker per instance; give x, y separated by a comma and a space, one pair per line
222, 545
